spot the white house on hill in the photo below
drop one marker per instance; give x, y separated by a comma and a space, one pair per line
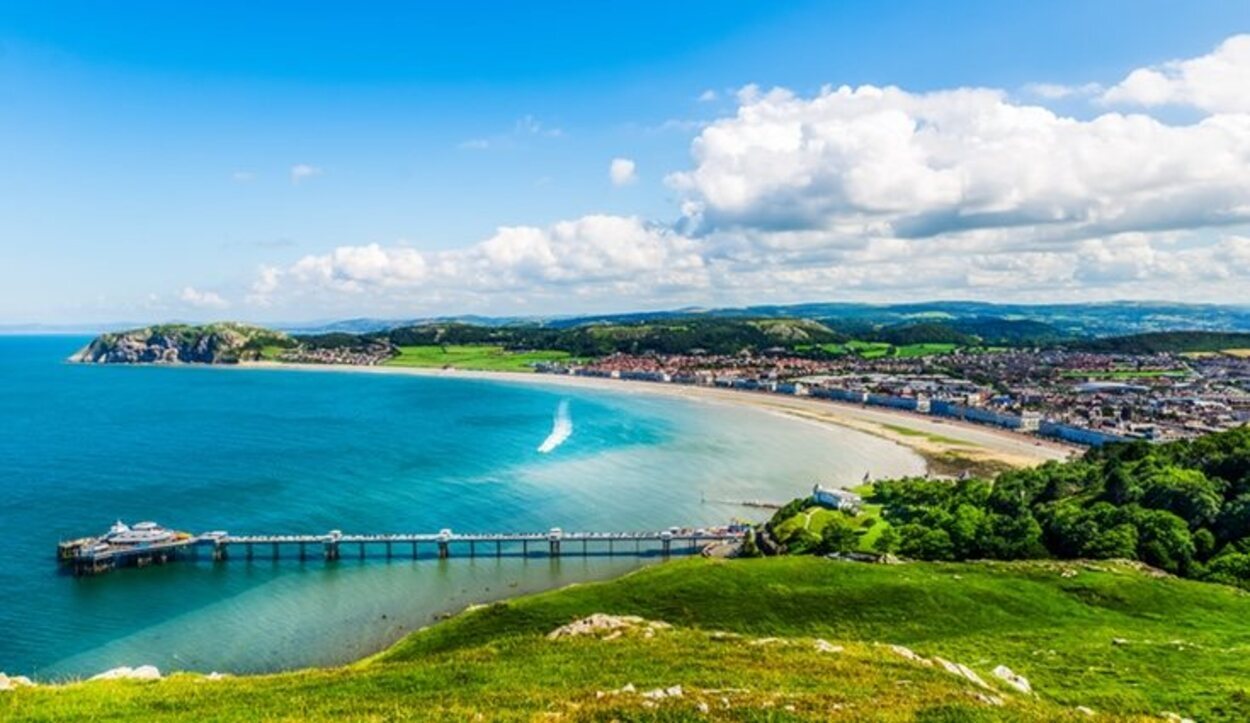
844, 500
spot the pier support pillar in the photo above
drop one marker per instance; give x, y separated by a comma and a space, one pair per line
668, 545
610, 551
303, 551
275, 550
555, 548
472, 549
249, 551
219, 552
525, 548
332, 551
414, 549
444, 550
362, 550
585, 551
498, 548
388, 549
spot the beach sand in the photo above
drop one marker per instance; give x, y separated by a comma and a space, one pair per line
948, 445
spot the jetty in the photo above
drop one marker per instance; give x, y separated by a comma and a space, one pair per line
147, 543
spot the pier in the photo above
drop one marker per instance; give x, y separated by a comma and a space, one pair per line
148, 544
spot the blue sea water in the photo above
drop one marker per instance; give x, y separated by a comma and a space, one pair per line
248, 451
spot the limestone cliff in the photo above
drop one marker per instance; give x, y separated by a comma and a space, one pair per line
225, 343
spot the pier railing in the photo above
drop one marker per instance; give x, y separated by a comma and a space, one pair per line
93, 556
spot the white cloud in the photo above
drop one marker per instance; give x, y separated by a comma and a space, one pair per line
526, 127
868, 193
881, 161
1057, 91
708, 96
202, 299
1218, 82
622, 171
301, 172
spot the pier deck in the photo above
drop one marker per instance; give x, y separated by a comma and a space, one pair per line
89, 556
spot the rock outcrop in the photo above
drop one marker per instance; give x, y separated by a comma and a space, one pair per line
181, 344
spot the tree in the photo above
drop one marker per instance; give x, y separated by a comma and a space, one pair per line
838, 536
925, 543
1187, 493
887, 542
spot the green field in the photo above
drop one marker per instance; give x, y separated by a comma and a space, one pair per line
478, 357
1116, 374
1105, 636
918, 350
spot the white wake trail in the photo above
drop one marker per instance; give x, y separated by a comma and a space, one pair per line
561, 429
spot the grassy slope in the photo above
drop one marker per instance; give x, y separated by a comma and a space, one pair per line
478, 357
1186, 651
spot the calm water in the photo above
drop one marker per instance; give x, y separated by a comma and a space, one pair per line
247, 451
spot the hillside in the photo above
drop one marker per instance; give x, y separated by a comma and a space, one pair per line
223, 343
744, 646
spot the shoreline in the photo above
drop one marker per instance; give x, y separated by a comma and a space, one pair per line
946, 445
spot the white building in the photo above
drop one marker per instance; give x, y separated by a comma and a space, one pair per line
834, 499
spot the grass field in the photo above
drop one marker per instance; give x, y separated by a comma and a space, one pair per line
1126, 644
483, 357
1114, 374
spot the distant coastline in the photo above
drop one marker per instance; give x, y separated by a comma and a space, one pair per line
946, 444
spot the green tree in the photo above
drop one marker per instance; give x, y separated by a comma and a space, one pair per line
887, 541
838, 536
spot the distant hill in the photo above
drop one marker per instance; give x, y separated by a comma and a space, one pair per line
1168, 341
974, 318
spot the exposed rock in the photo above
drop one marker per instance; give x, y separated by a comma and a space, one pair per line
962, 671
608, 627
910, 654
1083, 710
1119, 641
990, 699
1019, 682
143, 672
824, 646
1169, 715
179, 343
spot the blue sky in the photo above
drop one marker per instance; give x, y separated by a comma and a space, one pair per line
286, 161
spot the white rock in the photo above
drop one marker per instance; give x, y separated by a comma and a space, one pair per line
21, 681
704, 707
1084, 710
674, 691
1019, 682
962, 671
143, 672
824, 646
909, 654
655, 694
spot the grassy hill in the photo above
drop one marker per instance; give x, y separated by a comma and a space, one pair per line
744, 646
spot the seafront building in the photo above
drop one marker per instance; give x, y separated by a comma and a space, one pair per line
1076, 397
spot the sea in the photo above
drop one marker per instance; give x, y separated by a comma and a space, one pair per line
265, 452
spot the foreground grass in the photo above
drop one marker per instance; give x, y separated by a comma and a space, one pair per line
1103, 636
475, 357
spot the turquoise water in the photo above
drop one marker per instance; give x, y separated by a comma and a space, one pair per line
287, 451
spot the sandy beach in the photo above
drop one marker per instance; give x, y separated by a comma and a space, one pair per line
946, 444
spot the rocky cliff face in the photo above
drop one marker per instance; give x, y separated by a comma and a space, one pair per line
178, 344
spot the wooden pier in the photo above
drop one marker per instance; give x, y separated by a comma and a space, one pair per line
91, 556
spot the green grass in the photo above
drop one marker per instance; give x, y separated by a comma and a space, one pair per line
936, 438
475, 357
1183, 648
919, 350
1123, 373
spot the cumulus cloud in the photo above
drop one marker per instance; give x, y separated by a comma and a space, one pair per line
301, 172
873, 161
1058, 91
1216, 82
622, 171
202, 299
871, 193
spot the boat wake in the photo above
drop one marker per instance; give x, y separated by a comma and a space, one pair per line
561, 429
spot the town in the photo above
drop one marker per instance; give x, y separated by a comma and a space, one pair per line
1083, 398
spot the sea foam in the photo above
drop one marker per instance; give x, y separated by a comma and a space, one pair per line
561, 429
